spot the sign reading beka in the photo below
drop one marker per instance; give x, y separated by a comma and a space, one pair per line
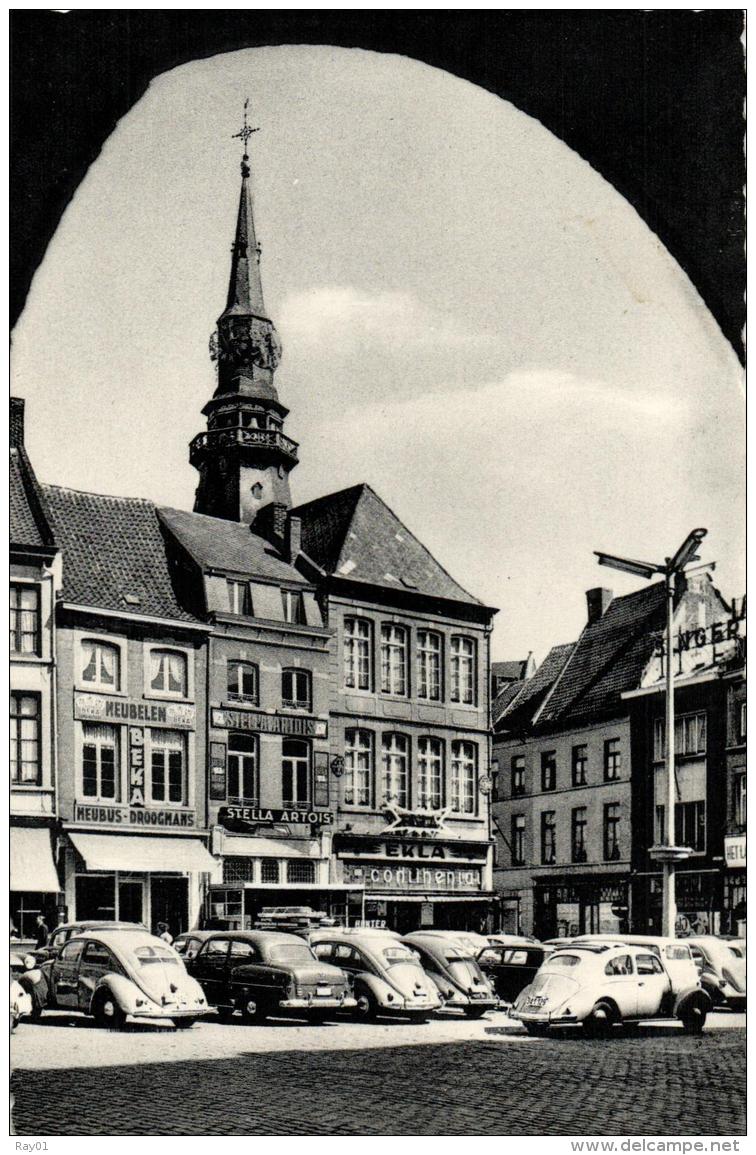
291, 725
106, 708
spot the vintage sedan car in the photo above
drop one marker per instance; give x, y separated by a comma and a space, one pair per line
511, 963
601, 985
21, 1005
262, 973
58, 938
722, 967
119, 974
388, 978
189, 943
455, 971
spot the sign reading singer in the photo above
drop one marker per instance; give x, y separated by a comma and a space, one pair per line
292, 725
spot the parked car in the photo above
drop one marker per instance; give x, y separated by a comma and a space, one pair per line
722, 968
511, 963
387, 976
453, 968
21, 1005
601, 985
58, 938
115, 974
189, 943
261, 973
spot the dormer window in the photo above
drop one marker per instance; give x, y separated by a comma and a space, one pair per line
239, 598
101, 665
293, 607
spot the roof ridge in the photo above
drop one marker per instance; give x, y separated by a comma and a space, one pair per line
145, 501
330, 496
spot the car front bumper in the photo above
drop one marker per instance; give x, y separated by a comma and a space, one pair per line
543, 1018
313, 1004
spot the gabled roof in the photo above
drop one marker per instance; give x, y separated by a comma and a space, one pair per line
353, 534
513, 671
228, 546
29, 520
609, 657
515, 707
113, 550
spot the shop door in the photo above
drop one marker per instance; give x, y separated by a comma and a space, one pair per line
95, 896
130, 900
170, 903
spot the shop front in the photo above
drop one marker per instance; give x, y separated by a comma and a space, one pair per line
405, 885
34, 885
565, 907
698, 894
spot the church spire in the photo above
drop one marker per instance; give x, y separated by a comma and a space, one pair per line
244, 458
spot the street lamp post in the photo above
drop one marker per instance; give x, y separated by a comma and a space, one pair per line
666, 853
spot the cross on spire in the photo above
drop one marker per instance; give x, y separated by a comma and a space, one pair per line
244, 134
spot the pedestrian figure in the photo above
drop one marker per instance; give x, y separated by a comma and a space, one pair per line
43, 931
164, 933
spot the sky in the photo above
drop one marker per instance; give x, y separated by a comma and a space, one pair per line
473, 321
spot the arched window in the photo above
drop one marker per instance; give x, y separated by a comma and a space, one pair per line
101, 664
295, 769
242, 765
168, 673
395, 757
242, 682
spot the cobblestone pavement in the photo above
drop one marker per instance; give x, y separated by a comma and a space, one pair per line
447, 1077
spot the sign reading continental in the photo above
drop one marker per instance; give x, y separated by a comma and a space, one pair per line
132, 816
292, 725
103, 708
239, 819
430, 879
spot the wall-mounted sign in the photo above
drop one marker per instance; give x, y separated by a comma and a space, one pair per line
103, 708
735, 852
136, 766
430, 879
715, 634
132, 816
218, 771
412, 851
240, 819
320, 796
430, 821
291, 725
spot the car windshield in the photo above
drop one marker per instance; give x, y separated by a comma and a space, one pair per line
156, 955
294, 952
398, 954
677, 952
564, 960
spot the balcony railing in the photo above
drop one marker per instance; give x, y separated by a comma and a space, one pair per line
258, 438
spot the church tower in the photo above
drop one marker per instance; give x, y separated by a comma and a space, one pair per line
244, 458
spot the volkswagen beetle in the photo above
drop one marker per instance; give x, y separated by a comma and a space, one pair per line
604, 984
119, 974
388, 978
511, 963
723, 970
455, 972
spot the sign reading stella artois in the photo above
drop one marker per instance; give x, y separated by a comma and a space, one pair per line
258, 721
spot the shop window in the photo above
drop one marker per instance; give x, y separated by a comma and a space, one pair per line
270, 870
740, 799
225, 905
463, 665
167, 764
429, 648
25, 748
239, 598
299, 871
168, 673
612, 759
296, 689
518, 775
293, 607
579, 764
548, 837
358, 644
358, 768
242, 682
24, 908
690, 736
430, 763
393, 659
395, 776
690, 825
241, 764
238, 870
463, 777
579, 823
518, 840
24, 619
612, 851
548, 770
100, 762
295, 768
100, 665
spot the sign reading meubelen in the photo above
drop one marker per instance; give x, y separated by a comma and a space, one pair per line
104, 708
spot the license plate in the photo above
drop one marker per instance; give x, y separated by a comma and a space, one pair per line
536, 1000
324, 991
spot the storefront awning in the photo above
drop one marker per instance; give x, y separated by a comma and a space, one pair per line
140, 853
370, 897
31, 860
251, 847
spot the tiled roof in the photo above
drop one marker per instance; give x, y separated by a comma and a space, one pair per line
609, 657
113, 550
513, 671
228, 546
503, 699
28, 517
516, 712
354, 534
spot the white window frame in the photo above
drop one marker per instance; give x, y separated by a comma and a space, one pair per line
237, 696
460, 761
353, 641
297, 672
297, 761
254, 756
426, 655
122, 792
459, 661
167, 695
36, 589
395, 768
359, 747
187, 799
394, 672
293, 605
241, 589
682, 723
430, 772
38, 780
97, 682
120, 644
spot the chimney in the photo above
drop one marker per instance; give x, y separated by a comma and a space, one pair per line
17, 422
293, 537
598, 603
270, 522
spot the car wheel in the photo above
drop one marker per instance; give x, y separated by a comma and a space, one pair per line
600, 1021
693, 1019
107, 1012
475, 1012
536, 1030
252, 1010
367, 1007
183, 1024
